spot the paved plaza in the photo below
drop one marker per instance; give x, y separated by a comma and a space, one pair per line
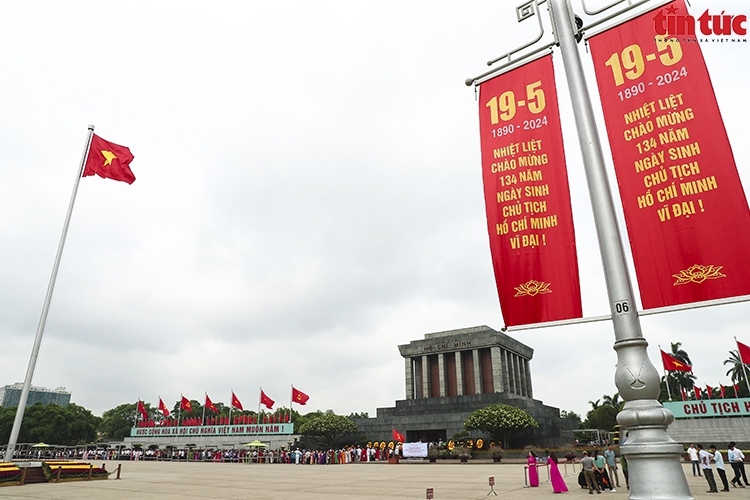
165, 480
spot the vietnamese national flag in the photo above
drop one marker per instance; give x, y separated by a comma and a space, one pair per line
185, 404
398, 437
673, 364
684, 394
709, 391
163, 408
236, 402
299, 396
265, 400
142, 410
210, 405
744, 351
108, 160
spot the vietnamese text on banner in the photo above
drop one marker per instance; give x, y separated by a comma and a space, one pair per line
527, 197
685, 209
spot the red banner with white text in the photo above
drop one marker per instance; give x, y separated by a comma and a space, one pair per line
527, 198
685, 209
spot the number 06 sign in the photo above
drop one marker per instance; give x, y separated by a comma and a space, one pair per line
685, 209
526, 196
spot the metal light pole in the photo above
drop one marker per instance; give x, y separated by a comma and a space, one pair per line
653, 456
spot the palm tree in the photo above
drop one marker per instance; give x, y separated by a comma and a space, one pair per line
735, 372
594, 404
680, 353
613, 401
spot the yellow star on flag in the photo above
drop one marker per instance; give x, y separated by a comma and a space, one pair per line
108, 156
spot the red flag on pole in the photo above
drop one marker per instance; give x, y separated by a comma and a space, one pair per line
709, 391
210, 405
236, 402
673, 364
736, 389
398, 437
299, 396
185, 404
721, 389
265, 400
163, 408
744, 351
697, 392
108, 160
684, 394
142, 410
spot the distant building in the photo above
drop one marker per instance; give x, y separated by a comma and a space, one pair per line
10, 395
449, 375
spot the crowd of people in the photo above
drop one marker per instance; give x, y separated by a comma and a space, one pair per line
701, 460
599, 472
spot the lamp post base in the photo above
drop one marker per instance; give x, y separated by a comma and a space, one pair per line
654, 458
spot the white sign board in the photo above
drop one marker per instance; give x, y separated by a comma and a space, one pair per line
414, 450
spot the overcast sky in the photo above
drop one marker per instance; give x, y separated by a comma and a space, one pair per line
308, 197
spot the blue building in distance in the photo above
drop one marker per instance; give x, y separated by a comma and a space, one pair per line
10, 395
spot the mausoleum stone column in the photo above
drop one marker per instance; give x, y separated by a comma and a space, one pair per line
497, 369
459, 374
441, 374
409, 377
477, 371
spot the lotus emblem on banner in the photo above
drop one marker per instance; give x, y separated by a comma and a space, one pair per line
532, 288
698, 274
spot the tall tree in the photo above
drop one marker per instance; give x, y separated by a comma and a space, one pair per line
603, 418
117, 422
613, 401
501, 422
327, 428
736, 372
52, 424
571, 415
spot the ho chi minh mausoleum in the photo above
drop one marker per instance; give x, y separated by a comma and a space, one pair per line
451, 374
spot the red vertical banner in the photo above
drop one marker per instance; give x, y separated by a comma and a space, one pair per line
686, 213
527, 198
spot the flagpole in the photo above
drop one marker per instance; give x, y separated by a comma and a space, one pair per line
744, 370
179, 410
291, 400
230, 407
203, 418
45, 310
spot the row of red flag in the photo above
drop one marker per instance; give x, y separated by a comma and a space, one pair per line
298, 397
264, 418
673, 364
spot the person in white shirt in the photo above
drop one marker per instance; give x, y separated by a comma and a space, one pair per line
719, 461
694, 459
736, 460
705, 460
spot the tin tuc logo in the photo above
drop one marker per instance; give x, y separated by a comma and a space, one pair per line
668, 22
